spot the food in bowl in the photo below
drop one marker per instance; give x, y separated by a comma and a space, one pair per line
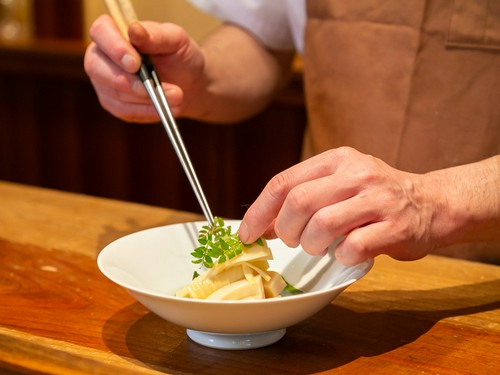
240, 272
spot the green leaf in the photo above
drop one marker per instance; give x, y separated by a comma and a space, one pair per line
218, 243
214, 253
223, 244
290, 290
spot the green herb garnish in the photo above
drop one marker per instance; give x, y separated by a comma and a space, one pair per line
218, 243
290, 290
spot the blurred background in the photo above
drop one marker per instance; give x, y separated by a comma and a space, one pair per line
53, 132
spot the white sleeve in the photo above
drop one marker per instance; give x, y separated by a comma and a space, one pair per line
266, 19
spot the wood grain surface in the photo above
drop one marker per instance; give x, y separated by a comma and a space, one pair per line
60, 315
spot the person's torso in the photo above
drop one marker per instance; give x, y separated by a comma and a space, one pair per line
415, 83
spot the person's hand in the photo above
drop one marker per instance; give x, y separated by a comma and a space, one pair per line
344, 193
112, 62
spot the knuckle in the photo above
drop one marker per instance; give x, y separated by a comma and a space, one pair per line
314, 247
252, 216
366, 173
322, 222
335, 155
357, 244
89, 63
319, 233
95, 29
405, 231
345, 150
311, 250
278, 186
284, 234
99, 27
117, 51
299, 199
343, 153
287, 240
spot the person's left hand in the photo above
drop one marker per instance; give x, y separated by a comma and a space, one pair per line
342, 192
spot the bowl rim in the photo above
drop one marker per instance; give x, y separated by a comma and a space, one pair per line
366, 266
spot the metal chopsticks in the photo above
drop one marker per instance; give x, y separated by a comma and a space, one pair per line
123, 14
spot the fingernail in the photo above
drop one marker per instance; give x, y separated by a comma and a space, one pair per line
243, 232
137, 86
129, 63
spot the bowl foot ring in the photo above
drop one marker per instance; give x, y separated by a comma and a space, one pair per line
230, 341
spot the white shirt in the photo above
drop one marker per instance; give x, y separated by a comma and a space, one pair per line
278, 24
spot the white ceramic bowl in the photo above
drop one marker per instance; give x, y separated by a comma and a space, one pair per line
153, 264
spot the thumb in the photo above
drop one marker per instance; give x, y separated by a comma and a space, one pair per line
157, 38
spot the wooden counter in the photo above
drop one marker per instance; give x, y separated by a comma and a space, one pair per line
59, 315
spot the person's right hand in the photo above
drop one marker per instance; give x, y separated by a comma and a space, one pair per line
112, 62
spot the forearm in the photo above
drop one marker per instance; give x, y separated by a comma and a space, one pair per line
469, 209
241, 76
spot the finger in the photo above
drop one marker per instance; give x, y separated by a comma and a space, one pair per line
269, 233
382, 237
305, 200
124, 97
108, 38
362, 243
268, 204
130, 112
337, 220
261, 214
104, 72
133, 109
157, 38
173, 94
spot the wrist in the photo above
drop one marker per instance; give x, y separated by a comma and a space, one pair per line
466, 203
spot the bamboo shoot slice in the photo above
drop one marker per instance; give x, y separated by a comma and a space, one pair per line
274, 286
242, 289
202, 287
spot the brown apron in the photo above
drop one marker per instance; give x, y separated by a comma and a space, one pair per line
415, 82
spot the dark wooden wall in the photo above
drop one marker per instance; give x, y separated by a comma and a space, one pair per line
60, 19
53, 133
